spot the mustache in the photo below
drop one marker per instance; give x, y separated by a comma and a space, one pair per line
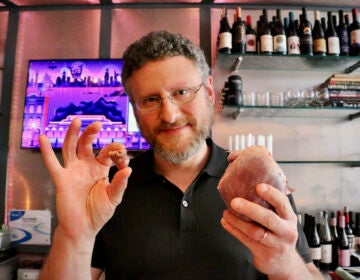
178, 123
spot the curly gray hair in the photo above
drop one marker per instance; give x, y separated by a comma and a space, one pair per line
158, 45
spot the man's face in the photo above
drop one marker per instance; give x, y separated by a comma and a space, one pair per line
175, 132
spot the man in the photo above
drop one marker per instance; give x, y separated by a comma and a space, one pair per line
171, 220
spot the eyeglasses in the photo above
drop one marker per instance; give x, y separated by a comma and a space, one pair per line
178, 97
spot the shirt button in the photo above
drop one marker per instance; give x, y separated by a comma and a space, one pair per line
185, 203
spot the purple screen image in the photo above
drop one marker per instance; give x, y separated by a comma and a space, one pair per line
58, 91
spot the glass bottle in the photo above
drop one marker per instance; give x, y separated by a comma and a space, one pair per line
305, 34
279, 36
318, 36
250, 36
313, 239
354, 31
343, 245
332, 39
293, 40
342, 31
334, 236
357, 233
326, 242
238, 32
224, 43
348, 229
266, 39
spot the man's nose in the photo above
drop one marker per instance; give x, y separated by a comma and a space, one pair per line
169, 110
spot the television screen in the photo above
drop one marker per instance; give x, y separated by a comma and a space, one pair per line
58, 91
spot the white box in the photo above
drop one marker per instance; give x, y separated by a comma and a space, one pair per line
30, 226
28, 274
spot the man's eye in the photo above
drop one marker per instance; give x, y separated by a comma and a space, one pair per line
150, 99
181, 92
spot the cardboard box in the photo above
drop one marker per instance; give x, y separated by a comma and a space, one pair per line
30, 227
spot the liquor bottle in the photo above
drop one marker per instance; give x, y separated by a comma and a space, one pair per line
293, 40
323, 23
332, 39
238, 32
250, 36
354, 30
313, 239
305, 34
224, 43
342, 31
343, 245
318, 36
326, 242
286, 24
266, 40
278, 33
357, 233
348, 229
334, 236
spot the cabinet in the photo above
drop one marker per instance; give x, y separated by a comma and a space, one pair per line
289, 117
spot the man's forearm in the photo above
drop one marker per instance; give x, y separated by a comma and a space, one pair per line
68, 259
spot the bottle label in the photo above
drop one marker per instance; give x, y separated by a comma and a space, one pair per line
326, 253
344, 257
351, 239
250, 43
357, 244
266, 43
280, 44
355, 37
225, 40
334, 45
319, 46
315, 253
293, 45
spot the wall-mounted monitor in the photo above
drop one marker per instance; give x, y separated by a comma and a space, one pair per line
57, 91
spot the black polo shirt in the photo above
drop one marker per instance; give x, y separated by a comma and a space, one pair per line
159, 232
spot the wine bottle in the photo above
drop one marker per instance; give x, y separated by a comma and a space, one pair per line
348, 229
313, 239
250, 36
332, 39
238, 32
334, 236
342, 31
326, 242
278, 33
224, 37
343, 245
305, 34
318, 36
266, 40
323, 23
293, 40
354, 30
357, 233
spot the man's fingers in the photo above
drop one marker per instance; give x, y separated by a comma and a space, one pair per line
70, 141
114, 153
50, 159
85, 143
118, 185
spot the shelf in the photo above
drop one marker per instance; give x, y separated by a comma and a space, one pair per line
287, 62
349, 163
299, 112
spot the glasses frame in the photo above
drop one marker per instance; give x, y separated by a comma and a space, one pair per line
192, 90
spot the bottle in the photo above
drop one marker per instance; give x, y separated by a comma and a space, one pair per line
279, 36
334, 236
250, 36
326, 242
305, 34
318, 36
332, 39
354, 31
357, 233
238, 32
293, 40
323, 23
348, 229
313, 239
224, 43
343, 245
342, 31
266, 40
